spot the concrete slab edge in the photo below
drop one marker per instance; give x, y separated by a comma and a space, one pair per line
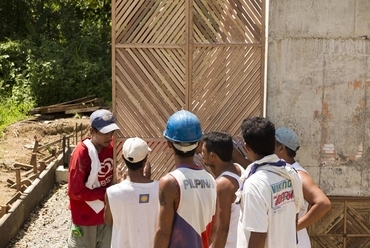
20, 210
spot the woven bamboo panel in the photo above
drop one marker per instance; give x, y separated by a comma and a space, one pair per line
226, 86
232, 21
200, 55
346, 225
149, 88
142, 21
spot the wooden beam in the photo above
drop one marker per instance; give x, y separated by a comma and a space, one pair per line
38, 109
14, 198
25, 181
21, 165
82, 110
52, 143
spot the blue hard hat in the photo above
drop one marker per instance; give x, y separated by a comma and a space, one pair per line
183, 127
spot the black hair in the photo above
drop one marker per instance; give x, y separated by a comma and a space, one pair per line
220, 143
259, 135
134, 166
289, 151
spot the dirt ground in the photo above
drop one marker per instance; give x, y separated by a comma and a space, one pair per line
17, 142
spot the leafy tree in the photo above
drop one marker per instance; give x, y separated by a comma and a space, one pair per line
55, 50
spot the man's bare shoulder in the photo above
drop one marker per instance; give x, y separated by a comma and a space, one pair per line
168, 184
168, 189
227, 183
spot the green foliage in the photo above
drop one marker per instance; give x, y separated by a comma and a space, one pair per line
54, 50
13, 73
13, 15
11, 112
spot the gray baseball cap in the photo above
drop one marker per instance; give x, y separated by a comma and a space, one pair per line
287, 137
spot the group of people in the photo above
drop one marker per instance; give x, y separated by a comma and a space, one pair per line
264, 199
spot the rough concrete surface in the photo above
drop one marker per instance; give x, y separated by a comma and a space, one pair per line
318, 79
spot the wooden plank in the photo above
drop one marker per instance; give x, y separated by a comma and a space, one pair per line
29, 172
40, 148
82, 110
10, 181
19, 185
26, 166
27, 181
62, 108
14, 198
38, 109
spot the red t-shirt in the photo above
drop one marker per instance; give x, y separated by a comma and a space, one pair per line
79, 171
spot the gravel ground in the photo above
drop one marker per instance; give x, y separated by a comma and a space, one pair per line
48, 224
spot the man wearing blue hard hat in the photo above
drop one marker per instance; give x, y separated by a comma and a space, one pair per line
185, 221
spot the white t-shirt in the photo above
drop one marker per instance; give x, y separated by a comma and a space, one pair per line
267, 206
303, 237
135, 208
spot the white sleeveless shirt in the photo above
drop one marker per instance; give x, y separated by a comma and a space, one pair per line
193, 217
135, 208
235, 212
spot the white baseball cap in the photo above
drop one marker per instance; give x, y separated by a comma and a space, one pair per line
135, 150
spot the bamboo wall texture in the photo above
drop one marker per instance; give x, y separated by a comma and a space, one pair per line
346, 225
200, 55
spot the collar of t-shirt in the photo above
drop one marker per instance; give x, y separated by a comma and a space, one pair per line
272, 160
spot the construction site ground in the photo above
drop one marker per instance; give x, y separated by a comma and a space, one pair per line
48, 224
16, 145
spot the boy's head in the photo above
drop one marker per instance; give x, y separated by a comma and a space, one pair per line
288, 138
219, 143
103, 121
259, 135
135, 152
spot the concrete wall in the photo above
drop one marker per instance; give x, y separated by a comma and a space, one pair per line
318, 83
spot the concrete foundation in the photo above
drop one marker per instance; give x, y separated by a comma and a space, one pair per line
61, 174
21, 209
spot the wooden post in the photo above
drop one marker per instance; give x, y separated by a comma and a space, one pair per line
42, 165
81, 132
76, 136
18, 179
33, 161
65, 164
36, 144
3, 211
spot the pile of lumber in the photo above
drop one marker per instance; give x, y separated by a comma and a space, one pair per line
86, 104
